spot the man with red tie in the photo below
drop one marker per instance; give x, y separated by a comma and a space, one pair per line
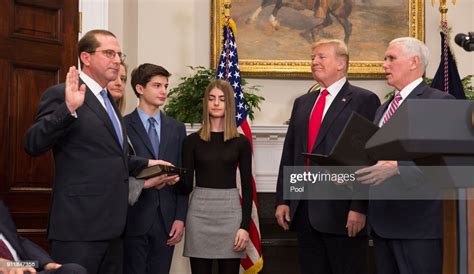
331, 233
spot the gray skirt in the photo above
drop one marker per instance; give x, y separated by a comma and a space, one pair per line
213, 219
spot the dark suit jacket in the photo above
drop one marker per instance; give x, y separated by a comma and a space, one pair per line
90, 191
25, 249
407, 219
325, 216
173, 202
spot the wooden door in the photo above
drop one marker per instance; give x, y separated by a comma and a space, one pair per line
38, 43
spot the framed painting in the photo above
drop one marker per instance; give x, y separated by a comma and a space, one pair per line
274, 36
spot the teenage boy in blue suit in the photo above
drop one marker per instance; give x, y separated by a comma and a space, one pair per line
155, 223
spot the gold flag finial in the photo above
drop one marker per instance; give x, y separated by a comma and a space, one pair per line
227, 6
443, 8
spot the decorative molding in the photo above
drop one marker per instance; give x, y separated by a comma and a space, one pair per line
269, 130
257, 130
267, 146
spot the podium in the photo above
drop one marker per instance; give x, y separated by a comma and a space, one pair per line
435, 133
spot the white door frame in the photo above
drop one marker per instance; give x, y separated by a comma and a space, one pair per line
95, 15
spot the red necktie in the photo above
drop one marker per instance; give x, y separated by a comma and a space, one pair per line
4, 251
315, 119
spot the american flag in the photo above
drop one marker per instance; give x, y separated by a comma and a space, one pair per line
228, 69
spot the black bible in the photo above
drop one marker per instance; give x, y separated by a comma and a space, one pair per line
157, 170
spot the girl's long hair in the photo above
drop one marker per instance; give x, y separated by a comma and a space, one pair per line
230, 126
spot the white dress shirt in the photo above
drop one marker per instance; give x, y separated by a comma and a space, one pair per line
96, 89
333, 90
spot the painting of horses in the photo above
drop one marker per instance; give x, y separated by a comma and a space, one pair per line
274, 36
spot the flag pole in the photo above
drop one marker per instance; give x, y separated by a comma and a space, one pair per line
227, 6
228, 69
443, 8
227, 19
462, 249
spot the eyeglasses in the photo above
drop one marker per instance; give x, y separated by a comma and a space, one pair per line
109, 53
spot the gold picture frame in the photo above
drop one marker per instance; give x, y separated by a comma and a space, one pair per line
407, 20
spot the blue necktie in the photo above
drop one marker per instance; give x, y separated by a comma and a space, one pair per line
111, 113
153, 135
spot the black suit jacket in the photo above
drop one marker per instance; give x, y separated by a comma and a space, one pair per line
25, 249
407, 219
173, 202
90, 191
329, 216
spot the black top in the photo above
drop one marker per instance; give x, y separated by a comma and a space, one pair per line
215, 163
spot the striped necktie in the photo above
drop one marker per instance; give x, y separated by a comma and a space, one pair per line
393, 107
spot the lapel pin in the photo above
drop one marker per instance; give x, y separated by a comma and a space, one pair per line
343, 99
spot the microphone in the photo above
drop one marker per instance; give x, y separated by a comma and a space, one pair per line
466, 41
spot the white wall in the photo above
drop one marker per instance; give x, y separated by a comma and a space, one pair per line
176, 34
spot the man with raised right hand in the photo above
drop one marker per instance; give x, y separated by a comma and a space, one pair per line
81, 123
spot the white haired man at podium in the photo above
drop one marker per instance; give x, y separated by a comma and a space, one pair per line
407, 233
